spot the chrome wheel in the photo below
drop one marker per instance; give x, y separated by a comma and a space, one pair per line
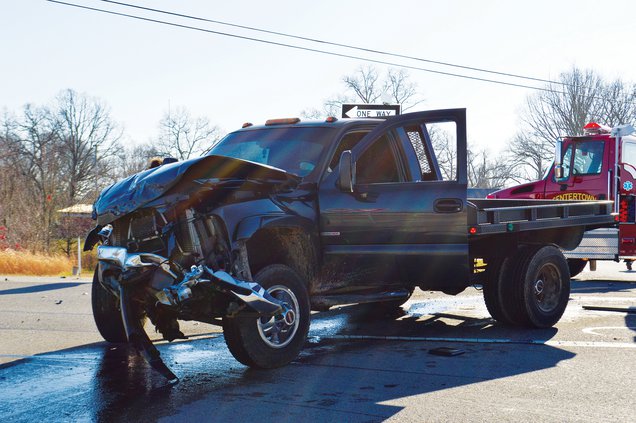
279, 330
547, 288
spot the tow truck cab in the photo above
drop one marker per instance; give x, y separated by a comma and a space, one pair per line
599, 165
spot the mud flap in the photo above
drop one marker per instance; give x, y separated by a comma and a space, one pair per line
138, 338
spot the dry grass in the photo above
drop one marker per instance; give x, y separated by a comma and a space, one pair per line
25, 263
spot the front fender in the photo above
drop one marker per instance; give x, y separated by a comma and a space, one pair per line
250, 225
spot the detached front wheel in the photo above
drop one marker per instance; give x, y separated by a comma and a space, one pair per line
269, 342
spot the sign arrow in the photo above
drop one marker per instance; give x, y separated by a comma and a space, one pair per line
352, 113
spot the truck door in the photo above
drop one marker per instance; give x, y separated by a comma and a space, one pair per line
586, 168
402, 207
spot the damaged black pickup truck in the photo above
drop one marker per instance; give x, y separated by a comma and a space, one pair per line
281, 219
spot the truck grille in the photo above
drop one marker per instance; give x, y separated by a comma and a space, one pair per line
139, 232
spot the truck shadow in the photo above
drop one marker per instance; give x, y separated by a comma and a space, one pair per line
41, 288
346, 372
630, 322
600, 286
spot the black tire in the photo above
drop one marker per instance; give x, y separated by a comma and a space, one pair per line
540, 288
512, 267
492, 290
576, 266
106, 313
270, 342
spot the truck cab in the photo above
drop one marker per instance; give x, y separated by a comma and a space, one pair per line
598, 165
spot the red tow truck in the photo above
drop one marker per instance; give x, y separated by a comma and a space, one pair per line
599, 165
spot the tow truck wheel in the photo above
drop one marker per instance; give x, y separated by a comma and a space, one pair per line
269, 342
106, 313
540, 289
576, 266
492, 290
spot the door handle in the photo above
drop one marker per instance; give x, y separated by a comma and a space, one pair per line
448, 205
367, 196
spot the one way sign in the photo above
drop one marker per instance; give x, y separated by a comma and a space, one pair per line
374, 111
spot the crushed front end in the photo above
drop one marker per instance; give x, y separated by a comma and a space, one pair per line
165, 254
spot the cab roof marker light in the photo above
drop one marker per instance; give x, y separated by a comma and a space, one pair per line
285, 121
331, 119
247, 125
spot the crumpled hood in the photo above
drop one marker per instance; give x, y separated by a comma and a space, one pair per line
140, 189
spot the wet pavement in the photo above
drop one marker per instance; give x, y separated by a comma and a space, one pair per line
357, 365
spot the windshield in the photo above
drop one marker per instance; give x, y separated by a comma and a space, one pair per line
295, 150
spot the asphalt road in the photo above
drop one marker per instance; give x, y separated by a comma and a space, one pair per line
356, 367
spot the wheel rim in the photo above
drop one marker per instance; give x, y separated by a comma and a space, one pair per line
547, 288
278, 331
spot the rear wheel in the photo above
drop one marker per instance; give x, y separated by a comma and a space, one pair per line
576, 266
540, 288
269, 342
106, 313
492, 290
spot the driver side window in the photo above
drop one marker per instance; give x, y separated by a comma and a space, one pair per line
378, 164
588, 158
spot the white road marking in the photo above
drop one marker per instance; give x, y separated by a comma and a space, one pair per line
594, 329
586, 344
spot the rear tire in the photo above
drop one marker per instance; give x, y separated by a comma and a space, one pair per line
576, 266
540, 288
492, 290
271, 342
106, 313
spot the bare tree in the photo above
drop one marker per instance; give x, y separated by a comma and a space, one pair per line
445, 149
531, 157
133, 159
619, 103
52, 157
367, 86
401, 89
577, 98
33, 188
89, 138
484, 171
183, 136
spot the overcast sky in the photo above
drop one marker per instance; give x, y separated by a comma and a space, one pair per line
140, 68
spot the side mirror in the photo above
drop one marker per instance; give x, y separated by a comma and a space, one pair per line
347, 172
558, 160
